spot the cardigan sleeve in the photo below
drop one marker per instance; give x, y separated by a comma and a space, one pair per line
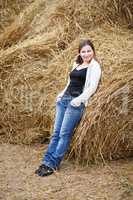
91, 89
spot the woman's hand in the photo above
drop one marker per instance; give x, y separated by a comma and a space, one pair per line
58, 98
75, 102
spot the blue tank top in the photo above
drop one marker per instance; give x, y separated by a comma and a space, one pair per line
77, 81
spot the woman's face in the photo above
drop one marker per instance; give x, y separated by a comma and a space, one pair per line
86, 53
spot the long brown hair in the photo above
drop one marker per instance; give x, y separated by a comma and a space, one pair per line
83, 43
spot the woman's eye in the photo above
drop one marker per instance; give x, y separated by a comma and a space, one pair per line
84, 51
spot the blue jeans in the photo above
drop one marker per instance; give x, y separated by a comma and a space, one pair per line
66, 119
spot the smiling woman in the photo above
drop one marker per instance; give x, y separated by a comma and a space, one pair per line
86, 52
70, 106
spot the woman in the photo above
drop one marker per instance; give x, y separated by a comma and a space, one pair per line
70, 105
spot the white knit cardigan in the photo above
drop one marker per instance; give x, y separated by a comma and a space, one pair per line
93, 76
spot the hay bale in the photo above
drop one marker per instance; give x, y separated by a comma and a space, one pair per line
37, 48
24, 117
72, 18
106, 129
9, 10
118, 12
28, 88
20, 26
24, 93
23, 100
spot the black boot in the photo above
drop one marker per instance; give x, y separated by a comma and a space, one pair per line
44, 170
39, 169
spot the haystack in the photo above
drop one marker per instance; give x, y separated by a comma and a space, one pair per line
72, 18
20, 25
34, 66
23, 102
105, 131
9, 10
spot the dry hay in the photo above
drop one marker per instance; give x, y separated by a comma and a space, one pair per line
23, 68
106, 129
20, 26
72, 18
28, 89
42, 46
24, 116
119, 11
9, 10
69, 18
32, 72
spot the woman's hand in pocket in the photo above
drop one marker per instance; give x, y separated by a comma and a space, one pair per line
75, 102
58, 98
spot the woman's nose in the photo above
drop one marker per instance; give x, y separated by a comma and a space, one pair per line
86, 54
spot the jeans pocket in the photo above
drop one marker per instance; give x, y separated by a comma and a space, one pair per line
63, 101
